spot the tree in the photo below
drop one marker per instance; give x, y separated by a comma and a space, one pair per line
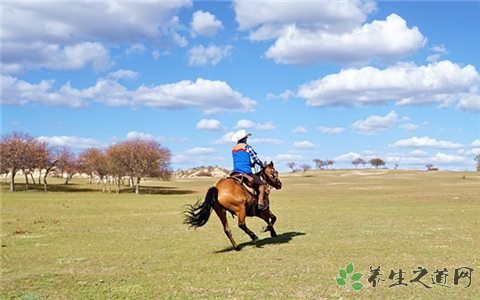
319, 164
47, 161
358, 161
93, 162
305, 167
376, 162
330, 162
292, 165
15, 153
477, 159
139, 158
66, 162
429, 166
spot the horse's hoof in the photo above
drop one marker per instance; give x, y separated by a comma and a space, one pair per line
236, 248
273, 234
255, 239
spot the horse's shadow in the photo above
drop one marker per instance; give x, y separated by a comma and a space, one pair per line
283, 238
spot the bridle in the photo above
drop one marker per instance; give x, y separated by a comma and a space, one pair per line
272, 180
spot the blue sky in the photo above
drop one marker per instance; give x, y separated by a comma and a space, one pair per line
328, 80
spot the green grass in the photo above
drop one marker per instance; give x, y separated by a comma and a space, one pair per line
78, 243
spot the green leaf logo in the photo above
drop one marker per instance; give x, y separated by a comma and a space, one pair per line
352, 281
357, 286
356, 276
341, 281
349, 268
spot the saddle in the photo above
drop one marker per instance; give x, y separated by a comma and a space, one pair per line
246, 181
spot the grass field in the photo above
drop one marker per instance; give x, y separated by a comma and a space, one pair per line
79, 243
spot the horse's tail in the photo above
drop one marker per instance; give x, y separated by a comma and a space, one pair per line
197, 215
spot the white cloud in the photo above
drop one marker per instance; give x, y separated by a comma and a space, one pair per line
212, 55
147, 136
409, 127
205, 24
443, 83
180, 159
283, 96
438, 51
266, 17
425, 141
136, 48
300, 129
375, 124
443, 158
470, 102
418, 153
385, 40
331, 130
475, 143
123, 74
289, 157
226, 139
209, 124
36, 55
438, 158
69, 35
265, 141
206, 95
141, 135
347, 157
303, 145
249, 124
200, 151
74, 142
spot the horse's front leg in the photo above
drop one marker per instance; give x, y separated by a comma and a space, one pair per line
241, 223
270, 219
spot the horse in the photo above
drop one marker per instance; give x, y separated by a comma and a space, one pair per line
227, 194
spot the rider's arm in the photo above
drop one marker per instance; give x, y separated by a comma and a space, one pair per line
254, 156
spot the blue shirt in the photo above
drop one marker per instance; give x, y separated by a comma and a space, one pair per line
244, 158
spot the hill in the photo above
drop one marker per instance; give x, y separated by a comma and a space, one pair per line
209, 171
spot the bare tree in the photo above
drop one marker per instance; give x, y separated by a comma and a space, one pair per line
305, 167
358, 161
139, 158
93, 162
47, 159
330, 162
15, 153
66, 162
319, 163
292, 165
377, 162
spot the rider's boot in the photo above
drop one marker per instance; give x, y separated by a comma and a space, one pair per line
261, 198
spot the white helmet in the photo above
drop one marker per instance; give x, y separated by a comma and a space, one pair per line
240, 135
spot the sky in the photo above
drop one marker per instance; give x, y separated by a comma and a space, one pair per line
310, 80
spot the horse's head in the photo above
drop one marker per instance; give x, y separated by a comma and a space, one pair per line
271, 175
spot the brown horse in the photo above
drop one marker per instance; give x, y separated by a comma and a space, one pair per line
229, 195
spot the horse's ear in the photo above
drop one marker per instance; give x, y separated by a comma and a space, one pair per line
271, 164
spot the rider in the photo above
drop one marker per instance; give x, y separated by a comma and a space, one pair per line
244, 158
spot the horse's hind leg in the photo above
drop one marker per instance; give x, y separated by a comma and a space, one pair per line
221, 213
241, 223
